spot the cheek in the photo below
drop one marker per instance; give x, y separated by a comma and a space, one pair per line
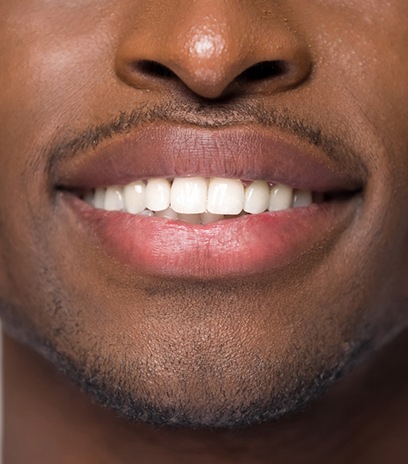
48, 65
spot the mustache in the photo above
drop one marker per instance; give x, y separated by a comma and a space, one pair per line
207, 115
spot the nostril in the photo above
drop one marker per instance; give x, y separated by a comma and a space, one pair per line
259, 71
264, 70
153, 69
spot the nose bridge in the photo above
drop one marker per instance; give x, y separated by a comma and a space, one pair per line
207, 44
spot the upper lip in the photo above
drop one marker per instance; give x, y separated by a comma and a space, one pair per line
244, 152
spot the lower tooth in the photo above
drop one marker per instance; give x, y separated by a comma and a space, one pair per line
167, 214
190, 218
147, 213
207, 218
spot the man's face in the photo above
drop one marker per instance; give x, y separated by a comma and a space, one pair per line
242, 319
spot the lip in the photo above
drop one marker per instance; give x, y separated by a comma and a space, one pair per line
171, 151
246, 245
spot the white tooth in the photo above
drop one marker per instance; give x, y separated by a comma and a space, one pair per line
225, 196
190, 218
207, 218
114, 199
99, 200
189, 195
281, 197
302, 198
257, 197
157, 194
167, 214
135, 197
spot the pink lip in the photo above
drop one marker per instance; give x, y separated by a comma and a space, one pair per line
247, 245
244, 246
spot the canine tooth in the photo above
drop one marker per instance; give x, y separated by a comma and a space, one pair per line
281, 197
256, 197
225, 196
189, 195
167, 214
157, 194
302, 198
190, 218
135, 197
207, 218
99, 200
113, 199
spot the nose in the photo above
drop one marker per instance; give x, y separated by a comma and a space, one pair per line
212, 47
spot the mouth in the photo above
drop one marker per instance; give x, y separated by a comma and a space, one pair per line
180, 202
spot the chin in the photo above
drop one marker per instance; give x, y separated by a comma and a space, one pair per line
193, 393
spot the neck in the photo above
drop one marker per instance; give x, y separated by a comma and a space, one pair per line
363, 419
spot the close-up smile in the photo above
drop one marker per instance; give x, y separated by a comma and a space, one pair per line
157, 204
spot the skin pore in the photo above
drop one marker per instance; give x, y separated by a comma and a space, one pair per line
224, 365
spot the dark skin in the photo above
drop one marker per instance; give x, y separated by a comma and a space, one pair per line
204, 351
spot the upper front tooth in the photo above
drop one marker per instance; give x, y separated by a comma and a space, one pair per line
225, 196
135, 197
113, 199
189, 195
281, 197
157, 194
257, 197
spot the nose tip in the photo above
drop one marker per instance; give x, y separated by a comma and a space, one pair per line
209, 54
208, 63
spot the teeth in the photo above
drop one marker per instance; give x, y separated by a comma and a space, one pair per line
207, 218
302, 198
158, 194
190, 218
225, 196
147, 213
167, 214
281, 198
135, 197
189, 195
257, 197
99, 200
197, 200
113, 199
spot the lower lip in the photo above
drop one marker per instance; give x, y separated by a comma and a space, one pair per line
248, 245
